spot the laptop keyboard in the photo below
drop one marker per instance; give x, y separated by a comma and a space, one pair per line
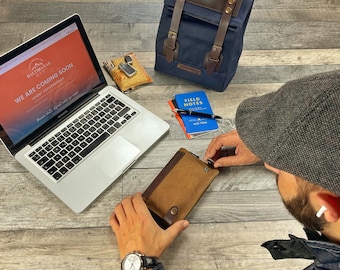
64, 150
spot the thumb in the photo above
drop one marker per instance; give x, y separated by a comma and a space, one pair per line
227, 162
175, 229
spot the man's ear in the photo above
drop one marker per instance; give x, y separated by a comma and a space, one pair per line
332, 203
271, 168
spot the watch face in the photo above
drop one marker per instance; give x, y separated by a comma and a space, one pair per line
132, 262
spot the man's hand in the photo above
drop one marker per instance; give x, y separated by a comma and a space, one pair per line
243, 156
136, 230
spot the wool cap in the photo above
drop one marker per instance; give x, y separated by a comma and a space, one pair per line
297, 128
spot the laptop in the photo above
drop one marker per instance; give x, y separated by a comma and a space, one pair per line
61, 120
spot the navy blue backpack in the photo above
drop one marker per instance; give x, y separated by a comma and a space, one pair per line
201, 41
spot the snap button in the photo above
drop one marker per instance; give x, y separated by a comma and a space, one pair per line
174, 211
228, 10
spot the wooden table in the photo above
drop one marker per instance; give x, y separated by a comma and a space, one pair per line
241, 209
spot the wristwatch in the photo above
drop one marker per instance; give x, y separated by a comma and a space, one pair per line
137, 261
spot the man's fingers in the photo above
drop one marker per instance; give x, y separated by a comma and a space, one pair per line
227, 139
114, 222
213, 146
175, 229
225, 162
127, 209
139, 204
124, 210
128, 206
119, 213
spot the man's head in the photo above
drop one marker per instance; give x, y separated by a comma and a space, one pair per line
301, 206
313, 206
296, 130
297, 196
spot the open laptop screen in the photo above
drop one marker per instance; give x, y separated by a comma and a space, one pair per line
44, 80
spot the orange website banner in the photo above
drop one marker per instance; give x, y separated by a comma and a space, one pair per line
45, 83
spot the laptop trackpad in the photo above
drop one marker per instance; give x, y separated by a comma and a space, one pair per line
115, 156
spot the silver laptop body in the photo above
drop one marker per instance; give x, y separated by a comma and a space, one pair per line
51, 87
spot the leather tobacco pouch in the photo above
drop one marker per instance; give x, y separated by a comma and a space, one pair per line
178, 187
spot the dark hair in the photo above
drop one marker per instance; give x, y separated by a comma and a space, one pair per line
301, 208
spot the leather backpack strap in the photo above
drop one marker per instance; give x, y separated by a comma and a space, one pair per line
170, 43
214, 55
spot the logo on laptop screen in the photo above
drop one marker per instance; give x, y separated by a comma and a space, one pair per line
37, 67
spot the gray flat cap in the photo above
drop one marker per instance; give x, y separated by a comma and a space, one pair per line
297, 128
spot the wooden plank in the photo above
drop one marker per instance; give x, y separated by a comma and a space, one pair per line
296, 14
251, 75
117, 12
285, 35
39, 208
206, 246
107, 12
256, 58
292, 4
258, 4
141, 37
290, 57
227, 187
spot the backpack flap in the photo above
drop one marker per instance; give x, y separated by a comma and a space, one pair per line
200, 37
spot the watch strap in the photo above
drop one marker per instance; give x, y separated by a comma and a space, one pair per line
159, 266
147, 262
150, 262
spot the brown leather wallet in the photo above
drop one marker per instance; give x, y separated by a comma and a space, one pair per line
178, 187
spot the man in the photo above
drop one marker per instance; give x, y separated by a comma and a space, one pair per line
296, 133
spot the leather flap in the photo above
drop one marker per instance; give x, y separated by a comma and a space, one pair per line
217, 5
178, 187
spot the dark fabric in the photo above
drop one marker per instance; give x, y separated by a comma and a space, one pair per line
195, 39
326, 255
314, 235
294, 248
297, 128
